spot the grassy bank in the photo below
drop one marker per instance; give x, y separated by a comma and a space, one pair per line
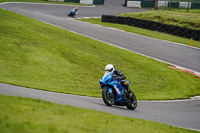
183, 10
42, 1
23, 115
184, 19
41, 56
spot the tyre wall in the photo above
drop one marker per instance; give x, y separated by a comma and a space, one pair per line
155, 26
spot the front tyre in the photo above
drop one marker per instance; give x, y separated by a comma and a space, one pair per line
132, 102
108, 98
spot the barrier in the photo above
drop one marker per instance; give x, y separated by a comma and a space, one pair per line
133, 4
147, 4
98, 2
173, 4
162, 4
74, 1
57, 0
86, 2
155, 26
90, 2
185, 5
195, 5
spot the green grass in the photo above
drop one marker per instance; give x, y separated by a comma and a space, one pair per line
23, 115
183, 10
144, 32
42, 1
38, 55
184, 19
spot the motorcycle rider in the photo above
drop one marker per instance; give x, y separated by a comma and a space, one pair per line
75, 10
118, 75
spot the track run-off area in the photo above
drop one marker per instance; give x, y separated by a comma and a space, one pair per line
183, 113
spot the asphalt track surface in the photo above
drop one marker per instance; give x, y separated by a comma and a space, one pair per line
184, 114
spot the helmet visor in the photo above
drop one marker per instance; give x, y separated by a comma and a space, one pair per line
110, 70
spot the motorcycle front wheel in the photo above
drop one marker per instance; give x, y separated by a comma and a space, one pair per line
108, 98
132, 103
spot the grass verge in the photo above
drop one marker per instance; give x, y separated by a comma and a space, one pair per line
38, 55
42, 1
23, 115
183, 19
183, 10
145, 32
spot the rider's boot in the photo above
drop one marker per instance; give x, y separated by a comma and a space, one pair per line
128, 89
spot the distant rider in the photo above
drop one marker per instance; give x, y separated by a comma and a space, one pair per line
75, 10
117, 74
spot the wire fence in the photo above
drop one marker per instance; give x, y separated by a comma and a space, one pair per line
184, 5
178, 4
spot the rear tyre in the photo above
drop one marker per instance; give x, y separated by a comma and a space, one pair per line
71, 15
132, 102
108, 98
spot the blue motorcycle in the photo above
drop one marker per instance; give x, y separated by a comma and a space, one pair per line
114, 93
73, 12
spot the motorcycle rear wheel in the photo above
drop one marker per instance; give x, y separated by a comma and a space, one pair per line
132, 103
71, 15
108, 99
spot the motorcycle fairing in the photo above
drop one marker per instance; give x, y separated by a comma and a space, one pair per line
110, 83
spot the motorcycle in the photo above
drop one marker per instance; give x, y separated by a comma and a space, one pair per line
117, 96
72, 13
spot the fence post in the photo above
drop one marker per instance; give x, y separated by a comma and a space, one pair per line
156, 5
170, 4
188, 5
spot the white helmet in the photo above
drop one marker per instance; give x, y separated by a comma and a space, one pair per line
109, 68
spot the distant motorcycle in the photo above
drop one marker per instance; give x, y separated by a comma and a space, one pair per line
73, 12
120, 98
